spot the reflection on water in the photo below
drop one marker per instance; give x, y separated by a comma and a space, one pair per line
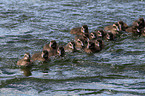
27, 25
26, 71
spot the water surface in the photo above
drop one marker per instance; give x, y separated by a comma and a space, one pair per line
26, 25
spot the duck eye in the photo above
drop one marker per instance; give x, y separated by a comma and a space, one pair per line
99, 33
26, 55
82, 28
70, 44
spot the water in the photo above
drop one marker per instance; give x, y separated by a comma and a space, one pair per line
26, 25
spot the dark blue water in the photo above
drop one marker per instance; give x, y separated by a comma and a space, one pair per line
27, 25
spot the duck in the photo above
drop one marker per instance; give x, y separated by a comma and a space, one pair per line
93, 36
79, 44
84, 38
101, 43
61, 51
113, 28
140, 23
51, 47
110, 36
92, 47
80, 30
26, 61
134, 29
70, 47
100, 33
122, 26
41, 56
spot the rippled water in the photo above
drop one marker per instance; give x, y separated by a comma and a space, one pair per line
26, 25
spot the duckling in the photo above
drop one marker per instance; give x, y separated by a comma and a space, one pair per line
140, 23
110, 36
84, 37
122, 26
52, 46
101, 43
134, 29
42, 56
92, 47
25, 61
100, 33
70, 47
61, 51
80, 30
79, 44
93, 36
113, 28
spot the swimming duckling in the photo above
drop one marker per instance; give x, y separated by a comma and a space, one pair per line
61, 51
42, 56
122, 26
84, 37
25, 61
100, 33
101, 43
134, 29
80, 30
51, 47
79, 44
92, 36
140, 23
70, 47
110, 36
92, 47
113, 28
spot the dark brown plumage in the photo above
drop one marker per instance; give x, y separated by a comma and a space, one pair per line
93, 36
84, 37
122, 26
25, 61
80, 30
51, 48
79, 44
92, 47
134, 29
110, 36
101, 43
61, 51
42, 56
113, 28
70, 47
100, 34
139, 23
